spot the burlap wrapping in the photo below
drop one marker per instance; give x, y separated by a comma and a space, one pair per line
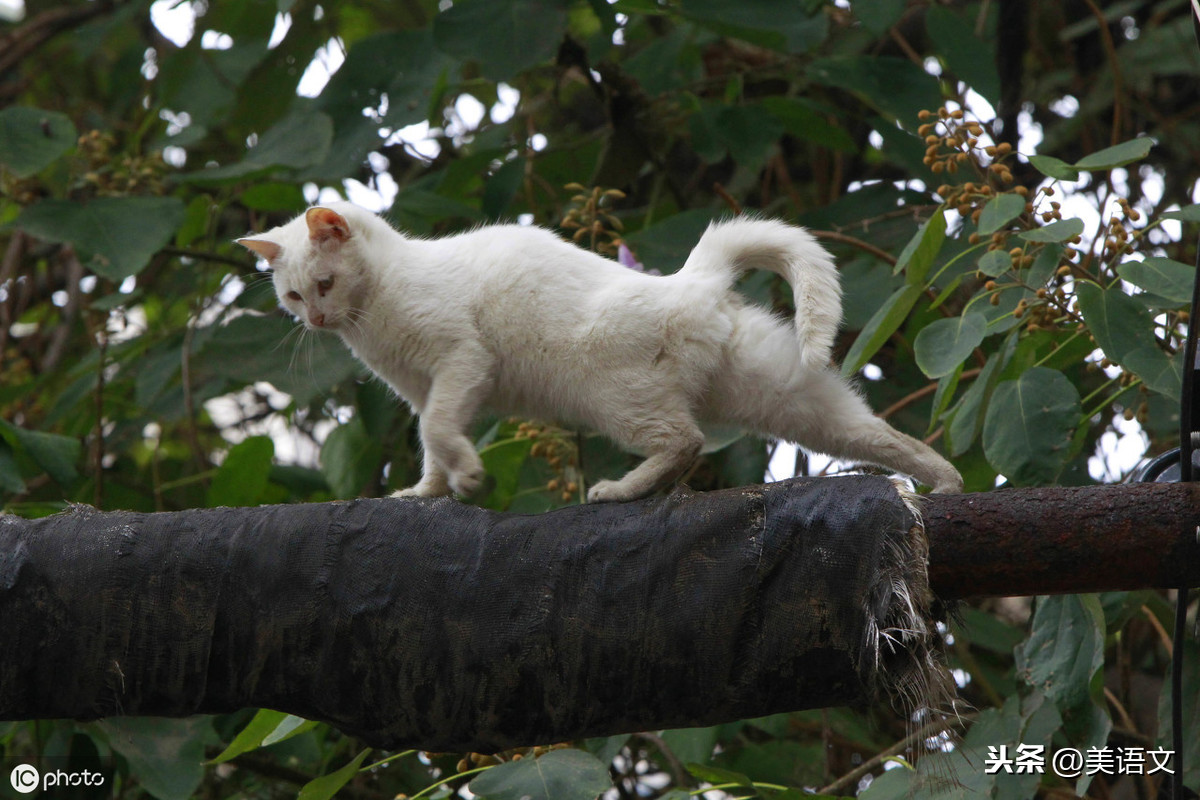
433, 624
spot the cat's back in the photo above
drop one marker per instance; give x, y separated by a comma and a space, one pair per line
511, 251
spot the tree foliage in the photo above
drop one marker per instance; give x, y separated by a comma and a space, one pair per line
1007, 186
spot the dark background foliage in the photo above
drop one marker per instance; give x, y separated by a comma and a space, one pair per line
1008, 188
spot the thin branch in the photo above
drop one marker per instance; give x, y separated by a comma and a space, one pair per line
924, 391
845, 238
205, 255
852, 777
23, 41
1110, 51
729, 199
678, 771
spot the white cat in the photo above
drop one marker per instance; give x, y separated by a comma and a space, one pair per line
517, 320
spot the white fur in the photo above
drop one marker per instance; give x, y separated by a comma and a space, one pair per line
516, 319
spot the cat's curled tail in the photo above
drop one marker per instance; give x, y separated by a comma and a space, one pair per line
734, 246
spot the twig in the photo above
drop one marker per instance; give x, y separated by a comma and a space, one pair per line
205, 255
62, 333
724, 194
924, 391
678, 771
1110, 50
98, 452
189, 405
845, 238
23, 41
8, 269
852, 777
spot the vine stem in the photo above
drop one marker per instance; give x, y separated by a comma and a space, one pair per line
387, 760
446, 780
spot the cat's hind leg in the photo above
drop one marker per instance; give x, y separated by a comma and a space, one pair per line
830, 417
671, 442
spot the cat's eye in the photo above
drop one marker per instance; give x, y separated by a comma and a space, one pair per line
324, 285
295, 296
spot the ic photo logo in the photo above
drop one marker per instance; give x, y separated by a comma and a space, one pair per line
52, 783
25, 779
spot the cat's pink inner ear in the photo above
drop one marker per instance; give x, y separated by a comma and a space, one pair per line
325, 225
261, 247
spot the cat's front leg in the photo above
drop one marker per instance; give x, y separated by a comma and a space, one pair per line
460, 385
434, 481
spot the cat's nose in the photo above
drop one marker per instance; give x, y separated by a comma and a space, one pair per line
318, 320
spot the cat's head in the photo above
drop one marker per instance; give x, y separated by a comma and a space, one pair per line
319, 271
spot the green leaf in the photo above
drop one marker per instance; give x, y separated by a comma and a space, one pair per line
270, 196
895, 86
121, 234
717, 775
1055, 232
1063, 658
918, 255
166, 755
262, 344
377, 405
1119, 323
326, 786
500, 35
289, 726
807, 121
1190, 756
502, 187
54, 453
1117, 155
665, 245
10, 475
943, 344
995, 263
1027, 430
744, 132
692, 745
350, 458
1161, 276
1160, 372
883, 324
878, 16
1186, 214
968, 57
301, 139
1055, 168
558, 775
503, 461
999, 211
31, 139
242, 476
251, 736
788, 27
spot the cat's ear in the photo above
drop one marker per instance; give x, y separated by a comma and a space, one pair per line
326, 225
262, 248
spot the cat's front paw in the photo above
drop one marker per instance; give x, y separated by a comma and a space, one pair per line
424, 488
950, 483
607, 492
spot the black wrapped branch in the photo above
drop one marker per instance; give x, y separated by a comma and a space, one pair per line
434, 624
